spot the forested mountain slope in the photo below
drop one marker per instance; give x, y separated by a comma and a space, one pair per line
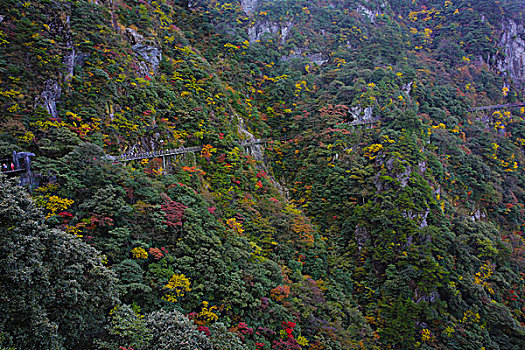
380, 208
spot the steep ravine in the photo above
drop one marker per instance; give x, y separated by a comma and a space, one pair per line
257, 151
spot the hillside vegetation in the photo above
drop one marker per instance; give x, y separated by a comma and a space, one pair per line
345, 192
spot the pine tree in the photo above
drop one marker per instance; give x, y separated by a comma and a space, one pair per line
54, 289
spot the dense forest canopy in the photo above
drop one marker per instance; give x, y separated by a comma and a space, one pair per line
257, 174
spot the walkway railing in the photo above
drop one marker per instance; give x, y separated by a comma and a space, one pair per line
176, 151
507, 105
125, 157
9, 172
364, 122
156, 154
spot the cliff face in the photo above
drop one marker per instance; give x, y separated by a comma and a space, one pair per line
249, 6
512, 43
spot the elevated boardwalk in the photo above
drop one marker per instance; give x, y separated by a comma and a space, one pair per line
126, 157
14, 172
507, 105
364, 122
248, 143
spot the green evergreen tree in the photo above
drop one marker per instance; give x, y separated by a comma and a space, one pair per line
54, 290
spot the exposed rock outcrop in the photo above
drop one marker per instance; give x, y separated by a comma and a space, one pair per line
259, 29
477, 215
256, 150
249, 6
60, 31
49, 96
513, 44
281, 31
262, 28
407, 88
152, 55
317, 58
360, 114
285, 30
72, 58
133, 37
369, 13
421, 218
361, 236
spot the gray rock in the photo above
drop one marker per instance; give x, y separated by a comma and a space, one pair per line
421, 217
300, 53
361, 236
317, 58
249, 6
404, 177
49, 96
61, 30
143, 68
407, 88
262, 28
477, 215
368, 12
69, 62
254, 149
360, 115
420, 296
133, 37
150, 54
259, 29
422, 167
513, 44
80, 58
285, 30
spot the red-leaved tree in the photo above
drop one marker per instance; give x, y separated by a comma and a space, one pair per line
174, 211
